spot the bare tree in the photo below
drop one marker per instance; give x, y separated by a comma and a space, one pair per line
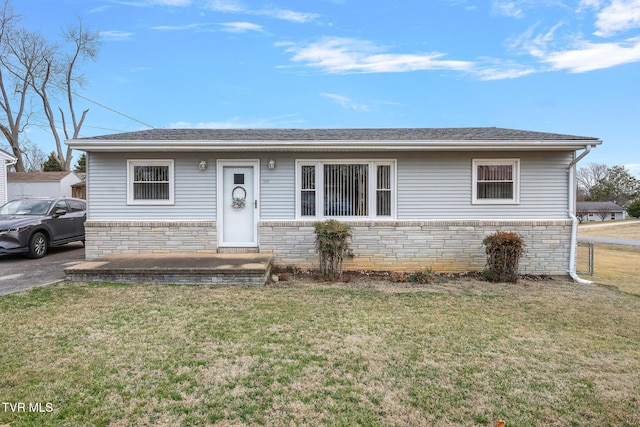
603, 213
32, 67
582, 214
590, 175
61, 77
14, 87
33, 156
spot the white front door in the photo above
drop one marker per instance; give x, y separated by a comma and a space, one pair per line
238, 190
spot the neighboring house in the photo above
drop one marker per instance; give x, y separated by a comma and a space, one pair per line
41, 184
415, 198
6, 160
79, 189
599, 211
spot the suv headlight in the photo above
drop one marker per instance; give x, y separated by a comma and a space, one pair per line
14, 230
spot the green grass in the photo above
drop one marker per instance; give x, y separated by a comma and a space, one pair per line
616, 265
453, 353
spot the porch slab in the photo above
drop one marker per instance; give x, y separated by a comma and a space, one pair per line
197, 268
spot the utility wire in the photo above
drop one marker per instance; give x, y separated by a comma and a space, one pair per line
112, 110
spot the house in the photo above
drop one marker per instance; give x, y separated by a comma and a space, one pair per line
41, 184
415, 198
6, 160
599, 211
79, 189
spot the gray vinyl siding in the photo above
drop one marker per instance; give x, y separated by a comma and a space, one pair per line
3, 183
430, 185
277, 187
439, 185
195, 190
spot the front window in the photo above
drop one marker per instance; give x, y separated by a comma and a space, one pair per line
150, 182
345, 189
496, 181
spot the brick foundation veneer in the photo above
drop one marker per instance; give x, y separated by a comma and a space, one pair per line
444, 246
141, 237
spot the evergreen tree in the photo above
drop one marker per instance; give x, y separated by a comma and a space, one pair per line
52, 164
634, 209
81, 165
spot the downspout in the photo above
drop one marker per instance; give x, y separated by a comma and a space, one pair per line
574, 218
7, 163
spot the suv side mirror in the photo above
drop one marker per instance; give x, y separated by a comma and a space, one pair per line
59, 212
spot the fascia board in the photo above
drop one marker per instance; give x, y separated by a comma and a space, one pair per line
316, 145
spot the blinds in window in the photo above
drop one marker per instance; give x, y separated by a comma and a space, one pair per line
345, 190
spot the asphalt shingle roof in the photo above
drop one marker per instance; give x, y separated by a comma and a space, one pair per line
392, 134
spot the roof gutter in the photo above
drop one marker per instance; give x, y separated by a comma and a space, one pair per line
574, 219
318, 145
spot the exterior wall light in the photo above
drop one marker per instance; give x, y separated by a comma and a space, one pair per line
202, 165
272, 164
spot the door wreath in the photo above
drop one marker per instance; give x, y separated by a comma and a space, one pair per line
238, 203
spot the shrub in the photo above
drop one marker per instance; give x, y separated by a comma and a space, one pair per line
634, 208
503, 255
332, 240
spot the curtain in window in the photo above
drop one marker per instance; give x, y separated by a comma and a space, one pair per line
495, 182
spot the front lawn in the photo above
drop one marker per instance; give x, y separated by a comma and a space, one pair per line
460, 352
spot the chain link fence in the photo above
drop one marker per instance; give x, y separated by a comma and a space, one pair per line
584, 258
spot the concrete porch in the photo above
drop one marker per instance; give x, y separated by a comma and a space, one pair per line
196, 268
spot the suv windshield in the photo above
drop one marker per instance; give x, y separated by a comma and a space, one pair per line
26, 207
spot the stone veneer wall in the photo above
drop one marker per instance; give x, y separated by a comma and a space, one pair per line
139, 237
444, 246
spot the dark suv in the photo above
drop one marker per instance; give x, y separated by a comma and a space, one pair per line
31, 226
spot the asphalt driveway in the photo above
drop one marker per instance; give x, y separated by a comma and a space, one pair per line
18, 273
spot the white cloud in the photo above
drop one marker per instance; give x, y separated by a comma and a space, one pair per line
534, 45
180, 3
507, 8
115, 35
618, 16
177, 27
235, 6
287, 120
146, 3
240, 27
345, 102
594, 56
503, 71
584, 4
226, 6
345, 55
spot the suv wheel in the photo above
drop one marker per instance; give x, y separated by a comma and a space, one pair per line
38, 246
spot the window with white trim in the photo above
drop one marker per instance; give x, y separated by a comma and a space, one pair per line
352, 189
496, 181
150, 182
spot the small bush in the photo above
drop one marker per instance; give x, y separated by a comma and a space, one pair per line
504, 250
634, 209
425, 277
332, 240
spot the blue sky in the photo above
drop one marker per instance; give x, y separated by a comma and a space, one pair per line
545, 65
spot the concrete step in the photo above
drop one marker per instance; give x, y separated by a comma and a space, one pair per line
246, 269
